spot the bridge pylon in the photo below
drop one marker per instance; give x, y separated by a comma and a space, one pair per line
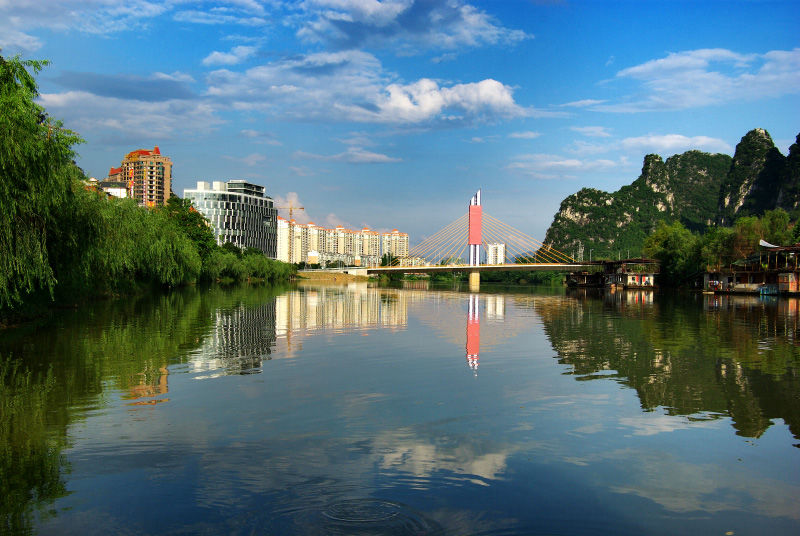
474, 239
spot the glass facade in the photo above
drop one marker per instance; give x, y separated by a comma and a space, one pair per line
241, 215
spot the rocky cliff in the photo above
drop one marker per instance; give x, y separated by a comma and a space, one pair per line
699, 189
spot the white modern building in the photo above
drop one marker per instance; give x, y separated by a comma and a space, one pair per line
239, 213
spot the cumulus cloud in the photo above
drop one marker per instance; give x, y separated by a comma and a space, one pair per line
425, 99
706, 77
236, 55
408, 26
351, 85
674, 143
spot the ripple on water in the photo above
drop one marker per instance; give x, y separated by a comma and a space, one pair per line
363, 517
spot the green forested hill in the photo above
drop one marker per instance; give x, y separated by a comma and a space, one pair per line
698, 189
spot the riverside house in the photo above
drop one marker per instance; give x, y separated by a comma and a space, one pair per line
773, 270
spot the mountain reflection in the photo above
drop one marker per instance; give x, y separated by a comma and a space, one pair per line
735, 356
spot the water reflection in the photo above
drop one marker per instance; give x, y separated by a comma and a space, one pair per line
363, 406
732, 356
473, 333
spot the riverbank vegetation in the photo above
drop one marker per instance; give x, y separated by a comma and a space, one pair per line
684, 254
62, 240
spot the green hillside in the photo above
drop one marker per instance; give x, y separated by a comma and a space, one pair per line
696, 188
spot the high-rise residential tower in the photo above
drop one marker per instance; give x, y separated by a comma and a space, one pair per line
395, 243
148, 175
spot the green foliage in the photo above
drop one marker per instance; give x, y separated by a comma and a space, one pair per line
683, 254
677, 249
108, 245
775, 227
389, 259
192, 223
62, 239
230, 247
36, 171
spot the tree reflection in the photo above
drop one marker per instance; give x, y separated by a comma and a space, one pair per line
732, 356
69, 363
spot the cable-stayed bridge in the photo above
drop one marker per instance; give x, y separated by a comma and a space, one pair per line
478, 242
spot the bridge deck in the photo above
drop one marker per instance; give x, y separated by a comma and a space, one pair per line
564, 267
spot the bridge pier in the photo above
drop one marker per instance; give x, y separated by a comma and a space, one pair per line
474, 281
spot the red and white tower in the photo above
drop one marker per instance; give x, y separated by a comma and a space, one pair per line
474, 235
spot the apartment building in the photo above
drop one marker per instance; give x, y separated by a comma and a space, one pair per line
144, 175
239, 212
394, 243
313, 244
495, 253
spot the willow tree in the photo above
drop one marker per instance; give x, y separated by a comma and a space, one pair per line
36, 170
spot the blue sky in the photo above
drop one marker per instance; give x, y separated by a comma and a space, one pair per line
391, 114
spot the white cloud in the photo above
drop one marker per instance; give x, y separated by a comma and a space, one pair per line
549, 166
299, 212
352, 86
90, 113
706, 77
584, 103
527, 135
353, 155
236, 55
217, 17
646, 424
425, 99
674, 143
595, 132
19, 18
407, 26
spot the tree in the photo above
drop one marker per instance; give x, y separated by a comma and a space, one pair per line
677, 250
389, 259
192, 223
36, 171
775, 227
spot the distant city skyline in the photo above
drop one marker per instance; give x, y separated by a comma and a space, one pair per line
391, 114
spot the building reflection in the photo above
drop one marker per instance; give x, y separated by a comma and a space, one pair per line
245, 336
241, 338
150, 388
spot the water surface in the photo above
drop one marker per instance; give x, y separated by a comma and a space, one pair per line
359, 410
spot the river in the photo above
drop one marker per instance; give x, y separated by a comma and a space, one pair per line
364, 410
